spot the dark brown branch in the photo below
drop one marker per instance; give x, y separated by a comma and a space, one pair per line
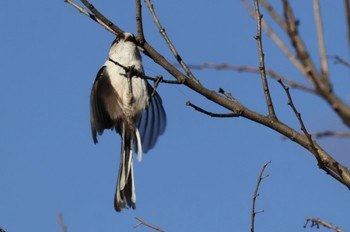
214, 115
256, 194
142, 222
269, 103
169, 43
319, 222
139, 24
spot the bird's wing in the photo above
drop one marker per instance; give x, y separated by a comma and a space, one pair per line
153, 121
104, 105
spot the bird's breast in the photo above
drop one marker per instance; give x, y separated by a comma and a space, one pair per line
132, 92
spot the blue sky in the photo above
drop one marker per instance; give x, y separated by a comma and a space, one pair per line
202, 173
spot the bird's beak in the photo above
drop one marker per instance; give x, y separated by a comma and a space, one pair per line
129, 37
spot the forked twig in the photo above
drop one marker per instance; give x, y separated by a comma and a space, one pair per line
142, 222
256, 194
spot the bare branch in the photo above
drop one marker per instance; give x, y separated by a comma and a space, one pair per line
256, 194
269, 103
330, 165
249, 69
140, 34
85, 12
214, 115
167, 40
142, 222
116, 30
335, 170
280, 44
340, 60
317, 222
321, 44
60, 221
274, 14
347, 13
324, 134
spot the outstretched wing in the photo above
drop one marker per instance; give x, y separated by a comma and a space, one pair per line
153, 121
104, 107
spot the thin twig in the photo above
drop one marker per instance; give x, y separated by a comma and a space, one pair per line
142, 222
85, 12
278, 41
169, 43
324, 134
214, 115
323, 164
115, 29
317, 222
249, 69
340, 60
347, 13
256, 194
321, 44
269, 103
60, 221
274, 14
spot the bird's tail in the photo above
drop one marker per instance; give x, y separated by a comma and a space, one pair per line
125, 192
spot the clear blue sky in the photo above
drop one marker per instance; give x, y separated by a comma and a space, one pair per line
202, 173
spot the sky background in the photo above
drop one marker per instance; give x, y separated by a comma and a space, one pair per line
202, 173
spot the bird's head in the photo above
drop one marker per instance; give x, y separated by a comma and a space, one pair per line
124, 44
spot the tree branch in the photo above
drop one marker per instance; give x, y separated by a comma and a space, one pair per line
321, 44
167, 40
214, 115
139, 24
60, 221
249, 69
256, 194
347, 13
336, 170
276, 39
269, 103
317, 222
142, 222
333, 170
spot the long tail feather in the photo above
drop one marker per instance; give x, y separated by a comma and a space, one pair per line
125, 191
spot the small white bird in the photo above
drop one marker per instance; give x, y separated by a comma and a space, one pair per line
124, 102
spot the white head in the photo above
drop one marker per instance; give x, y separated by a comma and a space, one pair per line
124, 48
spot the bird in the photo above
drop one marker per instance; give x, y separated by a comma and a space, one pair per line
122, 100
